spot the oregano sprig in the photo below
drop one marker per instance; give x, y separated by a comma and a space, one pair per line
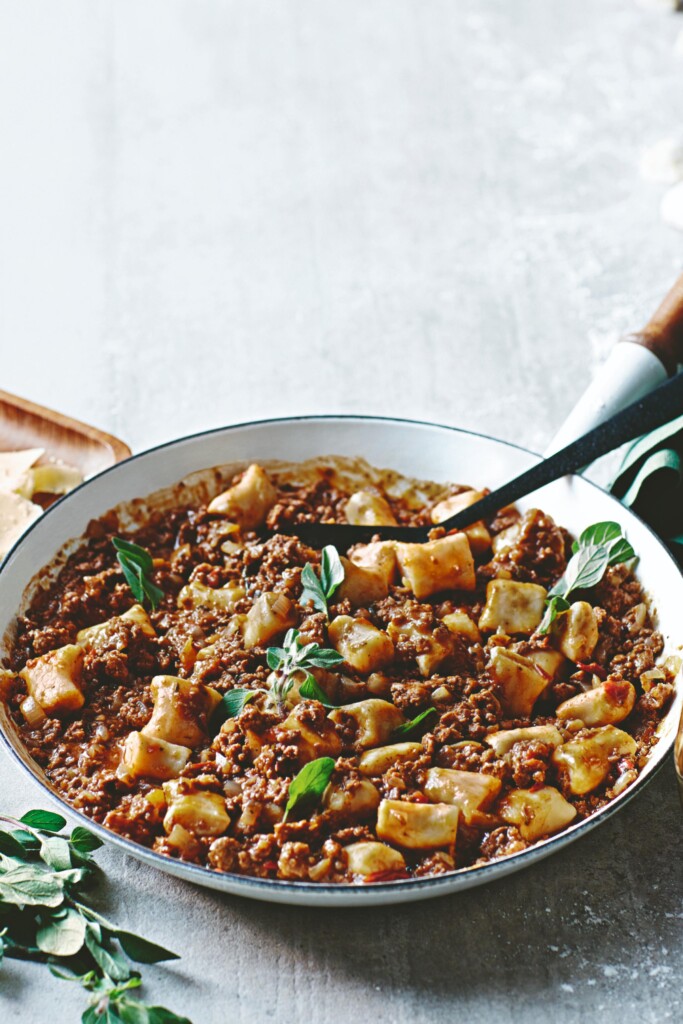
293, 658
599, 546
137, 564
44, 918
319, 590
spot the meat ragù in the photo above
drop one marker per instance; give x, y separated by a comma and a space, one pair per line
210, 687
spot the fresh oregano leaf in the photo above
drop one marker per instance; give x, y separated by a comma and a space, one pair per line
131, 1011
599, 533
323, 657
331, 571
586, 568
319, 591
275, 656
553, 608
312, 589
135, 981
62, 936
309, 785
142, 950
31, 886
297, 653
111, 962
28, 840
411, 728
621, 551
137, 564
83, 841
44, 821
312, 690
56, 853
231, 705
11, 846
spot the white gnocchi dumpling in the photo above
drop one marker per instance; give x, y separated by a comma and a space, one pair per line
443, 564
471, 792
585, 761
181, 710
198, 595
512, 607
505, 739
520, 682
269, 615
361, 644
378, 557
371, 858
460, 623
381, 759
417, 826
576, 631
536, 812
548, 662
249, 501
200, 811
315, 739
361, 586
95, 634
54, 680
355, 797
434, 647
367, 508
375, 720
606, 704
148, 757
477, 534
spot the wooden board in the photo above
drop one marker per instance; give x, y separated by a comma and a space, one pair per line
24, 424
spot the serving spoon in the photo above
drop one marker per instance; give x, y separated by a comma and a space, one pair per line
654, 410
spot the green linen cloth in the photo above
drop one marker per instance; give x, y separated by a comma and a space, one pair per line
650, 481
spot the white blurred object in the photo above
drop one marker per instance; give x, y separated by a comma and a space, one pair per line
663, 161
671, 208
678, 45
629, 372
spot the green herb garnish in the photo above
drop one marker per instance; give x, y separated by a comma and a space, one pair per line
599, 546
309, 785
312, 690
231, 705
137, 565
320, 590
43, 918
292, 658
410, 728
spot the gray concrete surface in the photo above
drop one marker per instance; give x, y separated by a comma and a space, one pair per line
217, 211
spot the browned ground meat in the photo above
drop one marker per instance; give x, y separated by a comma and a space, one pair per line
248, 763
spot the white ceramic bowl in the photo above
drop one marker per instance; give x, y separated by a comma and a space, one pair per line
422, 450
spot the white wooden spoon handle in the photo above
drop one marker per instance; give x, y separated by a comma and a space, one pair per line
634, 367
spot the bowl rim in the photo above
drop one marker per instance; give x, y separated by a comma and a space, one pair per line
254, 886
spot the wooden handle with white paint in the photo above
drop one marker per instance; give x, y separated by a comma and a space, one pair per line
634, 367
663, 334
